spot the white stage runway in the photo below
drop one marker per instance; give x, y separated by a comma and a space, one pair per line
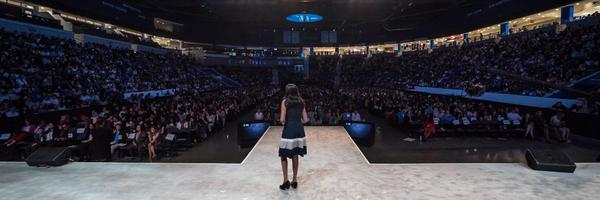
333, 169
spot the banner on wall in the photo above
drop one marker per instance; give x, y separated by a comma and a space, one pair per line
150, 93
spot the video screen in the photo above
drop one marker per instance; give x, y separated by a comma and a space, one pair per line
362, 133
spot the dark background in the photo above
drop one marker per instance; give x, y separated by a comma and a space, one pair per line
262, 22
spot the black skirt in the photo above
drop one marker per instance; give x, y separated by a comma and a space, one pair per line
292, 140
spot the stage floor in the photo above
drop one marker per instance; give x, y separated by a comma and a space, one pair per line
333, 169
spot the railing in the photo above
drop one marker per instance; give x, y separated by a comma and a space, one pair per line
532, 101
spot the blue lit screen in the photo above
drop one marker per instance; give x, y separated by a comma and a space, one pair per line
304, 18
254, 130
359, 130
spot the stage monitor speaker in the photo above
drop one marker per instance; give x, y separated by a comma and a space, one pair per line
250, 132
549, 160
363, 133
49, 156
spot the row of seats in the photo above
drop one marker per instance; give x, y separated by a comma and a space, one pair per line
473, 129
168, 144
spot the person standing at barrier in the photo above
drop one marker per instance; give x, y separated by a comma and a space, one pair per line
539, 124
152, 140
559, 126
292, 144
428, 127
101, 138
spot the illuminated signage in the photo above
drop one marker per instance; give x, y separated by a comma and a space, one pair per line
304, 18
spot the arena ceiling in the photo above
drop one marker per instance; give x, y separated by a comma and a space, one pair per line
261, 22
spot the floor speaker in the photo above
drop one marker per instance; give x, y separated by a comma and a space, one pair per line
250, 132
549, 160
49, 156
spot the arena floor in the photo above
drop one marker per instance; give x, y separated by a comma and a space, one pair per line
333, 169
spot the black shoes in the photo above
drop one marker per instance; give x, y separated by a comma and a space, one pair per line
285, 185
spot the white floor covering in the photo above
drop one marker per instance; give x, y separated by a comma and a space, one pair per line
333, 169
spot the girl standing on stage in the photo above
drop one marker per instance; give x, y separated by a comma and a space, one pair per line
293, 117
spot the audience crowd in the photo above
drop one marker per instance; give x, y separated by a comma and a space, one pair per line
139, 127
411, 108
323, 106
45, 74
554, 58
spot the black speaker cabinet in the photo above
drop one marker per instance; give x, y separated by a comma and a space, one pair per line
49, 156
549, 160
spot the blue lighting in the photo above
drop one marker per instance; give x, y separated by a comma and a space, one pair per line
359, 130
254, 130
304, 18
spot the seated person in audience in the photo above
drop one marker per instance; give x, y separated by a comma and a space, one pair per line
182, 124
337, 117
557, 123
62, 133
28, 130
129, 126
117, 140
140, 140
487, 116
447, 117
39, 133
355, 116
258, 115
130, 143
318, 120
84, 121
513, 115
49, 131
471, 115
